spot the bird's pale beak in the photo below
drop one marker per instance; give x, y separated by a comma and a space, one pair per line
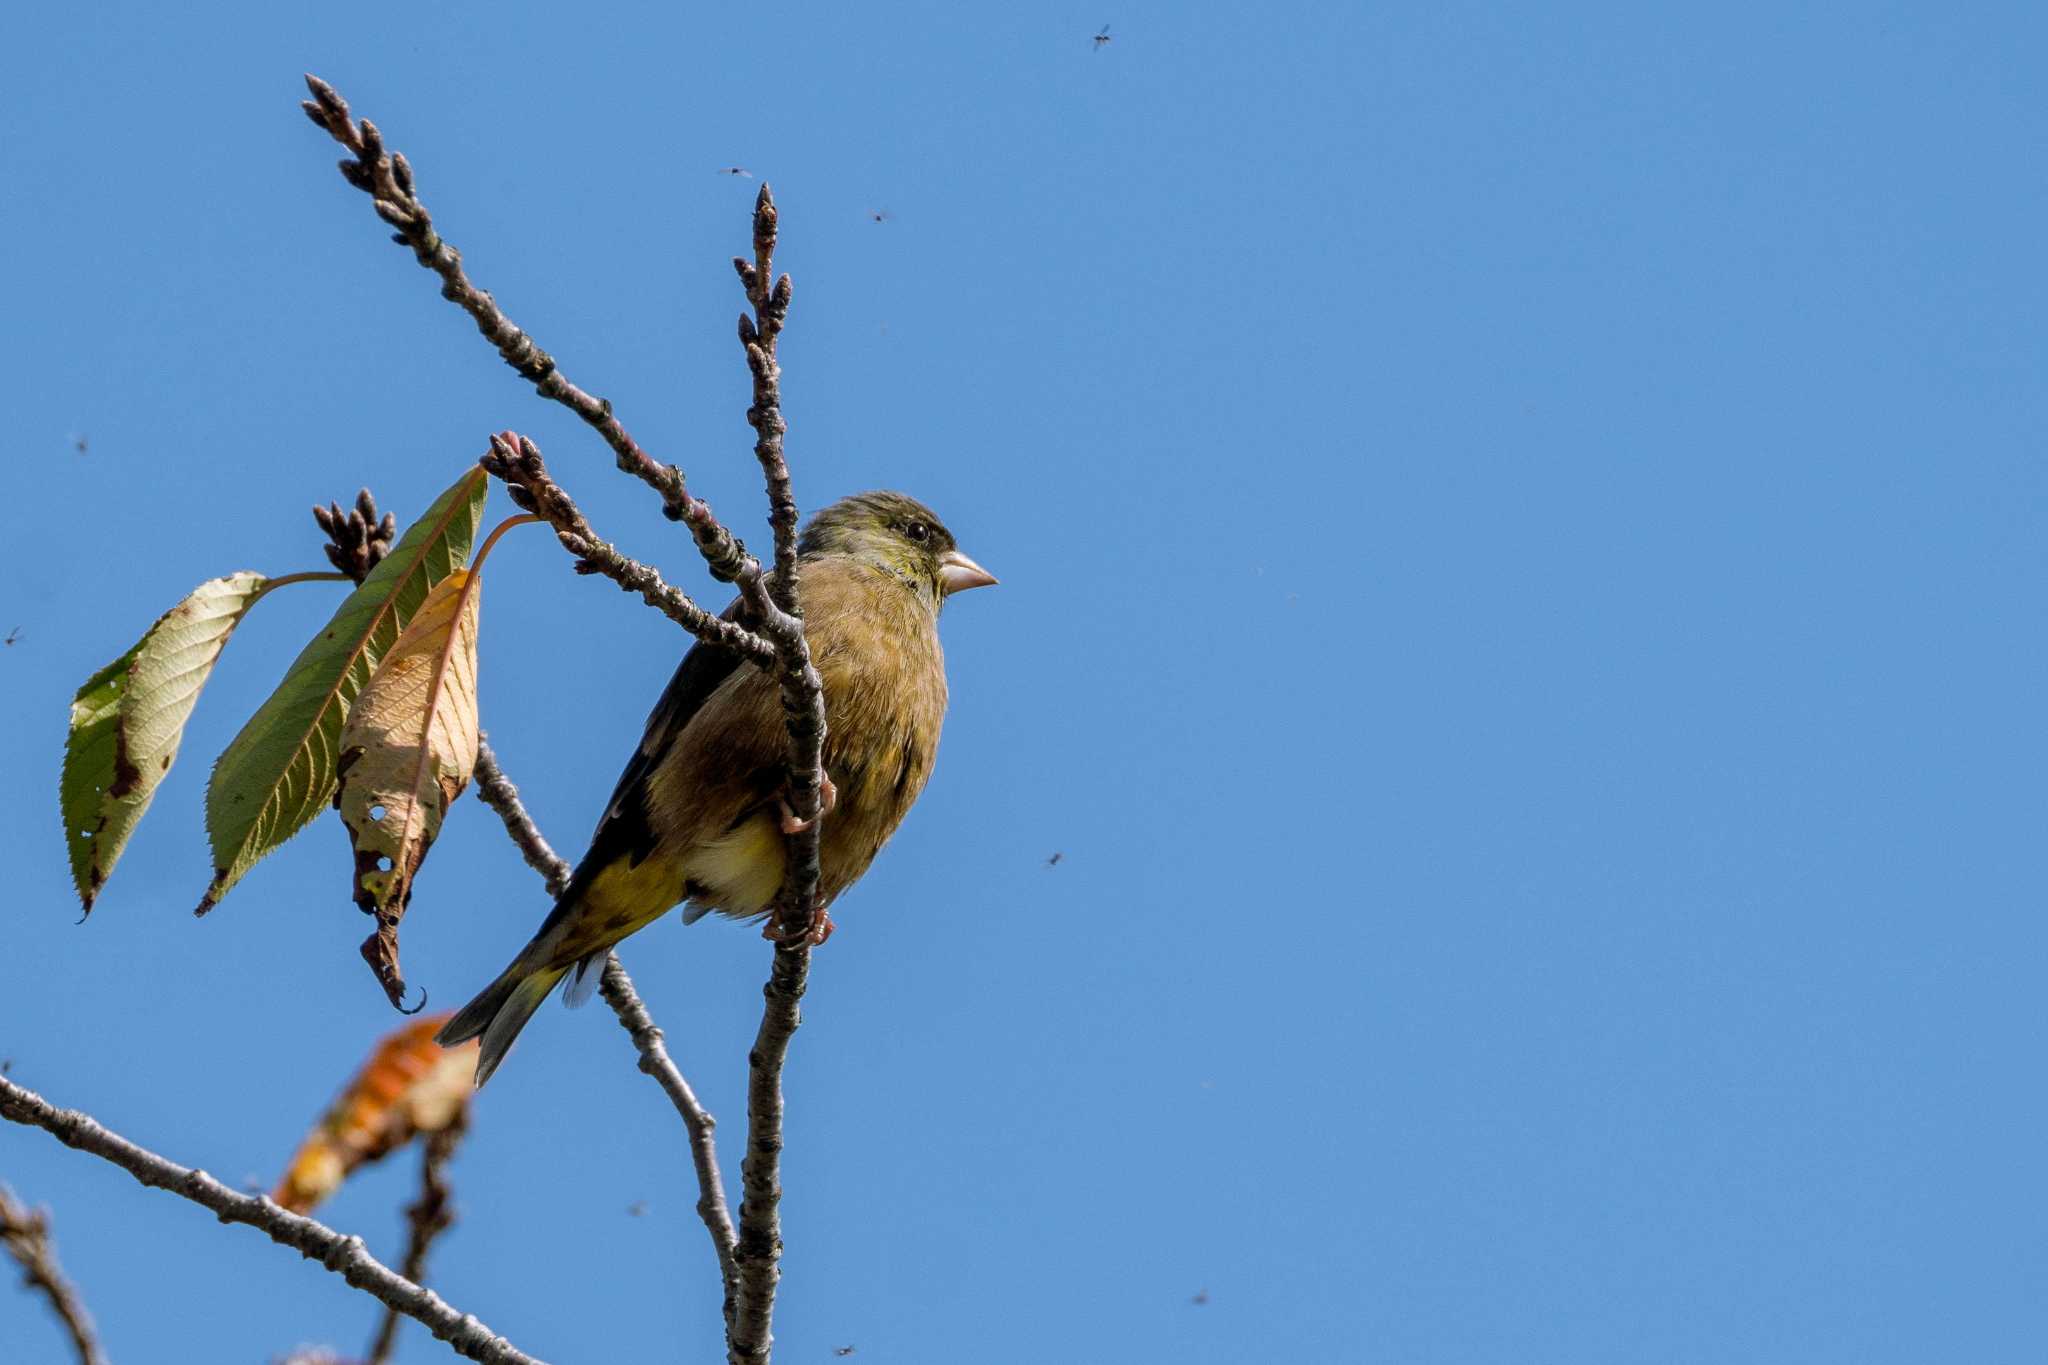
957, 573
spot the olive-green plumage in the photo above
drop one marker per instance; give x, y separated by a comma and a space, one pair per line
697, 817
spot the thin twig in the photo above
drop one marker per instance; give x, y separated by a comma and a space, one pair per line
497, 792
345, 1255
517, 461
758, 334
387, 178
618, 992
25, 1233
432, 1214
757, 1258
797, 921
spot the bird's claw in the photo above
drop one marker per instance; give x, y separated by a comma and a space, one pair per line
814, 931
828, 797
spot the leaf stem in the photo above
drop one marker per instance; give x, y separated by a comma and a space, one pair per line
476, 565
310, 576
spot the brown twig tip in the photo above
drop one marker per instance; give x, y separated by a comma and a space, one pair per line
328, 109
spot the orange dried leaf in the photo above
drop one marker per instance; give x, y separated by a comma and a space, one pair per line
410, 1086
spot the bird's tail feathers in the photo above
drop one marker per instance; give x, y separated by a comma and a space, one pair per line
499, 1012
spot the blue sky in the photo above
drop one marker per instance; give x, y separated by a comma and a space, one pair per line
1520, 535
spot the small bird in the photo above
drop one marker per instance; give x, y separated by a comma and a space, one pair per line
1102, 39
13, 637
699, 815
736, 170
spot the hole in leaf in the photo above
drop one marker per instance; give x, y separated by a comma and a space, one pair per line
384, 862
377, 813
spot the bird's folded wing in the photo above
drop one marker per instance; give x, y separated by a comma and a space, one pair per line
624, 831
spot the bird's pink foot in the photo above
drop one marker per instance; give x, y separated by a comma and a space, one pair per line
815, 932
828, 797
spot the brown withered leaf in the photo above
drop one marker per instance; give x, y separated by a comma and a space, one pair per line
411, 1086
408, 749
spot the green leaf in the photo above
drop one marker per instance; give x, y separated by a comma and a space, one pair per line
89, 762
279, 771
127, 721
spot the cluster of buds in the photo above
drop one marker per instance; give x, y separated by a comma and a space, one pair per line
357, 538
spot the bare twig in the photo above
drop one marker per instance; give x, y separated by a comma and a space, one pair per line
798, 919
387, 178
25, 1233
497, 792
345, 1255
781, 619
618, 992
757, 1258
432, 1214
518, 462
758, 334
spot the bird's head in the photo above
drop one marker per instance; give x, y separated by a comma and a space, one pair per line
897, 533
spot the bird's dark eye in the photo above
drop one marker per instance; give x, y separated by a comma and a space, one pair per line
918, 532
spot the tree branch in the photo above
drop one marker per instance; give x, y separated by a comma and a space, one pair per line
346, 1256
497, 792
799, 918
517, 460
387, 178
757, 1258
618, 992
774, 614
25, 1234
432, 1214
758, 336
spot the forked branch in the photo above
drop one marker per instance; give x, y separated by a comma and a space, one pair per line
768, 631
